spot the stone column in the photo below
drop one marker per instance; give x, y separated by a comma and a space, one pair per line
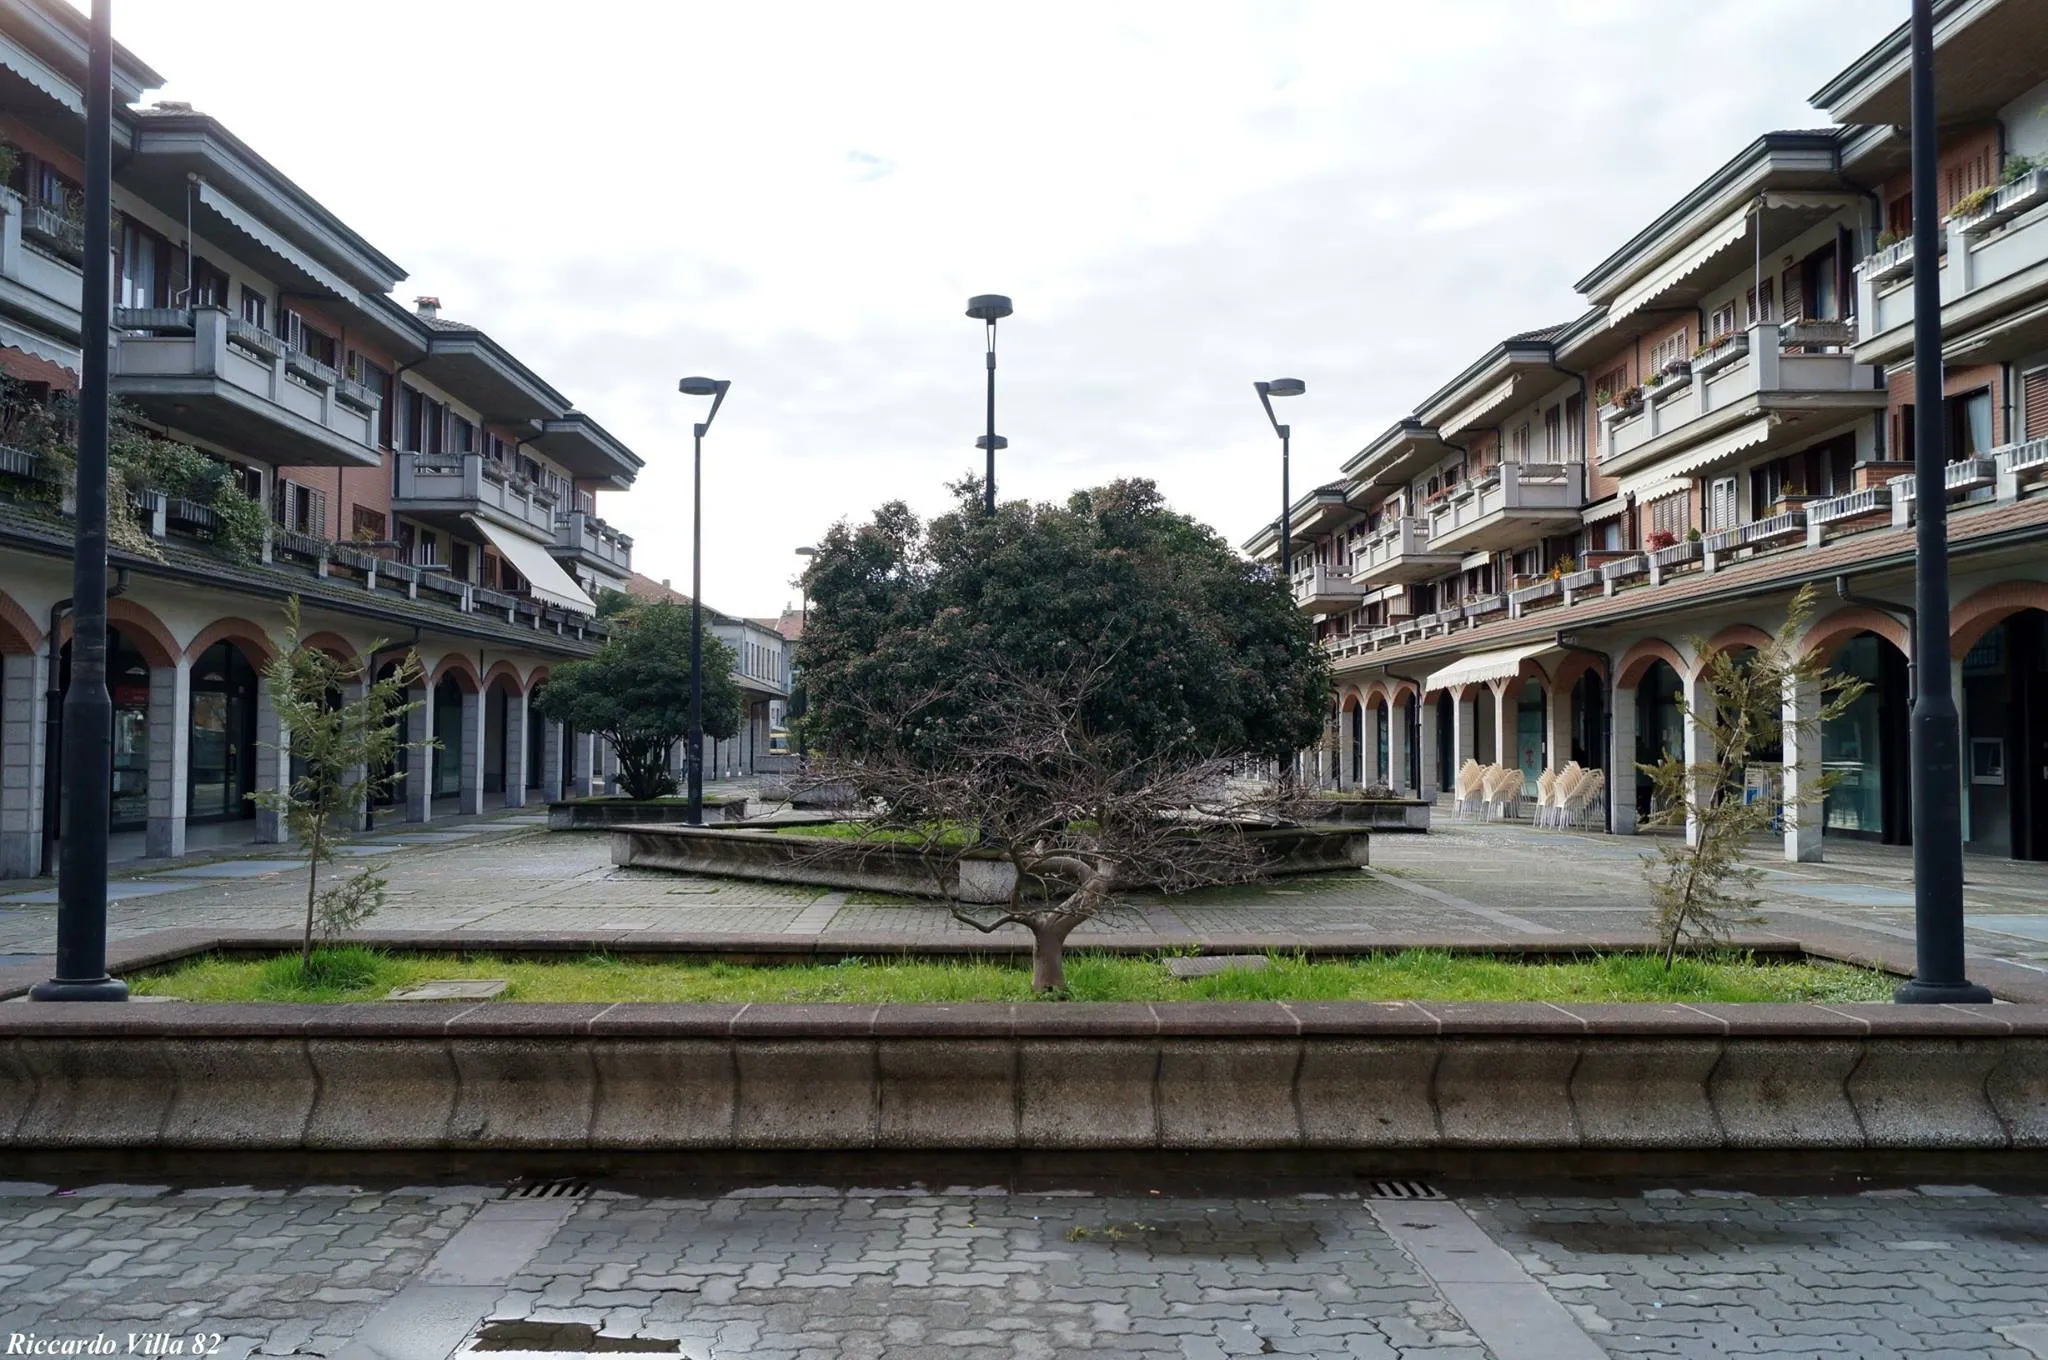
23, 677
582, 749
1504, 732
1397, 748
170, 755
419, 772
1699, 745
515, 750
1557, 725
474, 707
1430, 756
1347, 754
273, 764
1802, 771
1621, 761
551, 763
1464, 726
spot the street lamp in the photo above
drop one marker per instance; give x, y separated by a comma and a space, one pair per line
714, 388
1282, 387
803, 626
1936, 741
990, 308
81, 973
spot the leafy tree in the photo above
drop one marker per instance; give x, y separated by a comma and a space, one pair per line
635, 693
1699, 890
1072, 683
344, 753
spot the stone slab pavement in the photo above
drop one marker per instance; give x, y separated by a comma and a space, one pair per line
507, 874
1015, 1273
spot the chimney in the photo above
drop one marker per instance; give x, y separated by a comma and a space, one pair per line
429, 307
664, 583
173, 105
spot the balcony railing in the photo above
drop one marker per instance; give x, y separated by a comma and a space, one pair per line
54, 229
469, 482
1870, 500
1325, 589
2024, 194
1960, 475
578, 534
1539, 491
1397, 551
1887, 263
2000, 246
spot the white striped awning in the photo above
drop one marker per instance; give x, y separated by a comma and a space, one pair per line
1470, 415
1504, 664
1674, 474
1723, 235
1601, 511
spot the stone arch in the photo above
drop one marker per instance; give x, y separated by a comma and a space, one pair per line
336, 646
141, 627
538, 676
1374, 694
1971, 619
506, 671
1404, 690
254, 642
459, 666
1574, 665
18, 632
1737, 636
1826, 637
1636, 660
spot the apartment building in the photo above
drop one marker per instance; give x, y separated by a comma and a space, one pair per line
761, 669
414, 481
1529, 567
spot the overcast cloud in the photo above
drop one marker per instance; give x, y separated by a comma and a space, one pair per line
1180, 197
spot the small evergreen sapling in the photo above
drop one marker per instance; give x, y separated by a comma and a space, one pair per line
346, 753
1700, 890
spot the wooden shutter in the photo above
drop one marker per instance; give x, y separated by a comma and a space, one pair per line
1794, 297
313, 509
2034, 396
285, 503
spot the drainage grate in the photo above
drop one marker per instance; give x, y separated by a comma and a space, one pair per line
1402, 1190
562, 1188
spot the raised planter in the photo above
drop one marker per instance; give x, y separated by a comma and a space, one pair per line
1421, 1085
984, 876
1380, 814
602, 814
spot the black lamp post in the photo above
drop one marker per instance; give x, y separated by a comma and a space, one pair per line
1938, 973
88, 710
990, 308
714, 388
1282, 387
803, 626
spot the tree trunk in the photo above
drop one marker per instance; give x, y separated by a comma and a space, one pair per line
312, 892
1048, 951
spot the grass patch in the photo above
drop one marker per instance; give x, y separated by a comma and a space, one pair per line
356, 974
952, 837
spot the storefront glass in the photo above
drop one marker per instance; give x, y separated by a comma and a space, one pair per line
1851, 745
223, 750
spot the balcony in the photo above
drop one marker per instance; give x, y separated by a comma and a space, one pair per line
1398, 552
36, 284
1994, 278
1510, 506
213, 376
1887, 264
1708, 415
442, 489
1324, 590
587, 539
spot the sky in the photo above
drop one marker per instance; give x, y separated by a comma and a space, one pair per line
1180, 198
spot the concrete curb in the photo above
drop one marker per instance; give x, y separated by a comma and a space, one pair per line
1185, 1076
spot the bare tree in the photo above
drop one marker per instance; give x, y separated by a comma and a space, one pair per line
1033, 789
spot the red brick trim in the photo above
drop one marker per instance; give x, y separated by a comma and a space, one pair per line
1971, 619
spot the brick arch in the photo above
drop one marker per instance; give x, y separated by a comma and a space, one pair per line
1826, 637
1349, 698
1737, 636
1403, 689
1573, 666
459, 666
1636, 661
1971, 619
538, 677
504, 670
336, 646
1374, 694
254, 642
18, 632
139, 626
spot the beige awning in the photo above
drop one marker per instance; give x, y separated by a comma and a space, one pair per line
544, 576
1505, 664
1470, 415
1600, 511
1725, 234
1675, 473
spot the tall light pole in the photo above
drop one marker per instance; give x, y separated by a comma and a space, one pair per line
990, 308
88, 753
1282, 387
1936, 744
714, 388
803, 626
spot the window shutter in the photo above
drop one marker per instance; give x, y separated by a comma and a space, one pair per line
285, 504
314, 507
1794, 296
2034, 395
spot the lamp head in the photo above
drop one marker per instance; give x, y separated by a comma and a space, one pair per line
806, 552
989, 307
702, 387
1284, 387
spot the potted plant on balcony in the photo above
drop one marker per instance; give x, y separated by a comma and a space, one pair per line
1678, 368
1657, 540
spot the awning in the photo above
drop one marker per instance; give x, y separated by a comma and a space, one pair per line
1471, 414
301, 268
1655, 481
36, 73
1600, 511
1505, 664
1730, 231
544, 576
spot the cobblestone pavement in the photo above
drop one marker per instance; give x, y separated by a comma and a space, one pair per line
819, 1274
506, 873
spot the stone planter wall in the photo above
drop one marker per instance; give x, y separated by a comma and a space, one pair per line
582, 814
1381, 814
984, 877
1423, 1083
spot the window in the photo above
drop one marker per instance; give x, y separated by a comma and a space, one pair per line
1518, 443
2034, 403
433, 425
368, 525
1574, 428
1722, 322
465, 436
1768, 303
1898, 216
300, 509
378, 382
1969, 424
1721, 506
459, 564
1553, 435
255, 307
209, 285
1669, 350
310, 341
1672, 515
142, 260
428, 553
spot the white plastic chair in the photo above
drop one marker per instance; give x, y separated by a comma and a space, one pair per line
1546, 791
